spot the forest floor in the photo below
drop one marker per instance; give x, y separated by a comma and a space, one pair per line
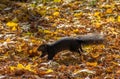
24, 25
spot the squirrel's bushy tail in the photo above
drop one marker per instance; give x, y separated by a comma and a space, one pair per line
91, 38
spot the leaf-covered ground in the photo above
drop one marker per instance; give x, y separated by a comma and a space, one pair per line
25, 24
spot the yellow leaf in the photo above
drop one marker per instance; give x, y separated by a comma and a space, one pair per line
111, 19
28, 67
118, 18
42, 12
20, 66
76, 31
19, 49
54, 25
49, 71
12, 24
47, 31
12, 68
56, 14
78, 14
92, 64
57, 0
102, 46
8, 40
14, 28
97, 24
88, 48
109, 10
33, 40
97, 14
107, 6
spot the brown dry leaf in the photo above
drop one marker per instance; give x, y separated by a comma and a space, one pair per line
109, 69
17, 11
115, 63
43, 72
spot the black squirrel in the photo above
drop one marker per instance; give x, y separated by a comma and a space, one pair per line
69, 43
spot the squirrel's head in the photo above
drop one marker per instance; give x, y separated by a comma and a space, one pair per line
43, 48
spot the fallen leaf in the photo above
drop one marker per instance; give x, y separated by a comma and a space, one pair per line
57, 0
20, 66
49, 71
8, 40
111, 19
14, 28
56, 14
78, 14
109, 10
118, 18
12, 24
12, 68
92, 64
97, 14
83, 71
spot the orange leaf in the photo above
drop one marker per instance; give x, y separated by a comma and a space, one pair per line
109, 10
95, 55
92, 64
